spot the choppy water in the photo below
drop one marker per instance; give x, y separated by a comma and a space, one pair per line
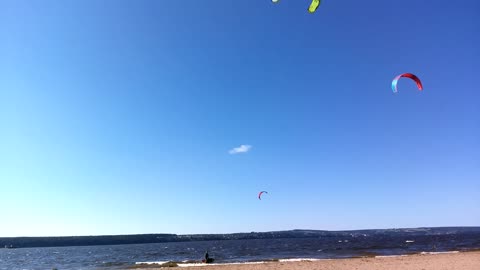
122, 256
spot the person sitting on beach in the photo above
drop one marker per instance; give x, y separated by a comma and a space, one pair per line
207, 258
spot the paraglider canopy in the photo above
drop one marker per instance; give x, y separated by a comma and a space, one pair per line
260, 194
406, 75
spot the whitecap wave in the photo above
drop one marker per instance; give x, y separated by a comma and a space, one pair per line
194, 264
390, 256
151, 263
440, 252
299, 260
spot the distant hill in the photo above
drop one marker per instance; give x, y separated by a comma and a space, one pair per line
23, 242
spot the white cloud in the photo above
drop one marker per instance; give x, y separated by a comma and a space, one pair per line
244, 148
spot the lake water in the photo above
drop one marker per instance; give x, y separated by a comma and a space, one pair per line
228, 251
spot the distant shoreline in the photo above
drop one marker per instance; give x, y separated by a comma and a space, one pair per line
63, 241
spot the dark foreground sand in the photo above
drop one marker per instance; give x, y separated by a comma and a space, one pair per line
452, 261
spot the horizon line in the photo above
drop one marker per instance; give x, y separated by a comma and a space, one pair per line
289, 230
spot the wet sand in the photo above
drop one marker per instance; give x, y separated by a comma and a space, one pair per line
450, 261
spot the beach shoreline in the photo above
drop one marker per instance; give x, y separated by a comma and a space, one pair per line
423, 261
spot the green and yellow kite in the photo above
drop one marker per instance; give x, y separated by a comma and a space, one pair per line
313, 6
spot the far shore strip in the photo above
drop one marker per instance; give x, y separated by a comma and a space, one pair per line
424, 261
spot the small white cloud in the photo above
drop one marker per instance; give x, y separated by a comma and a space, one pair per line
244, 148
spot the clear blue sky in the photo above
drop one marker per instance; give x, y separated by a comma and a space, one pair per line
117, 116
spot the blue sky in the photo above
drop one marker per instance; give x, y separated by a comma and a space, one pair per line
117, 117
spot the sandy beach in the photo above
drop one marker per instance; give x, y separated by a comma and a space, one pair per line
450, 261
